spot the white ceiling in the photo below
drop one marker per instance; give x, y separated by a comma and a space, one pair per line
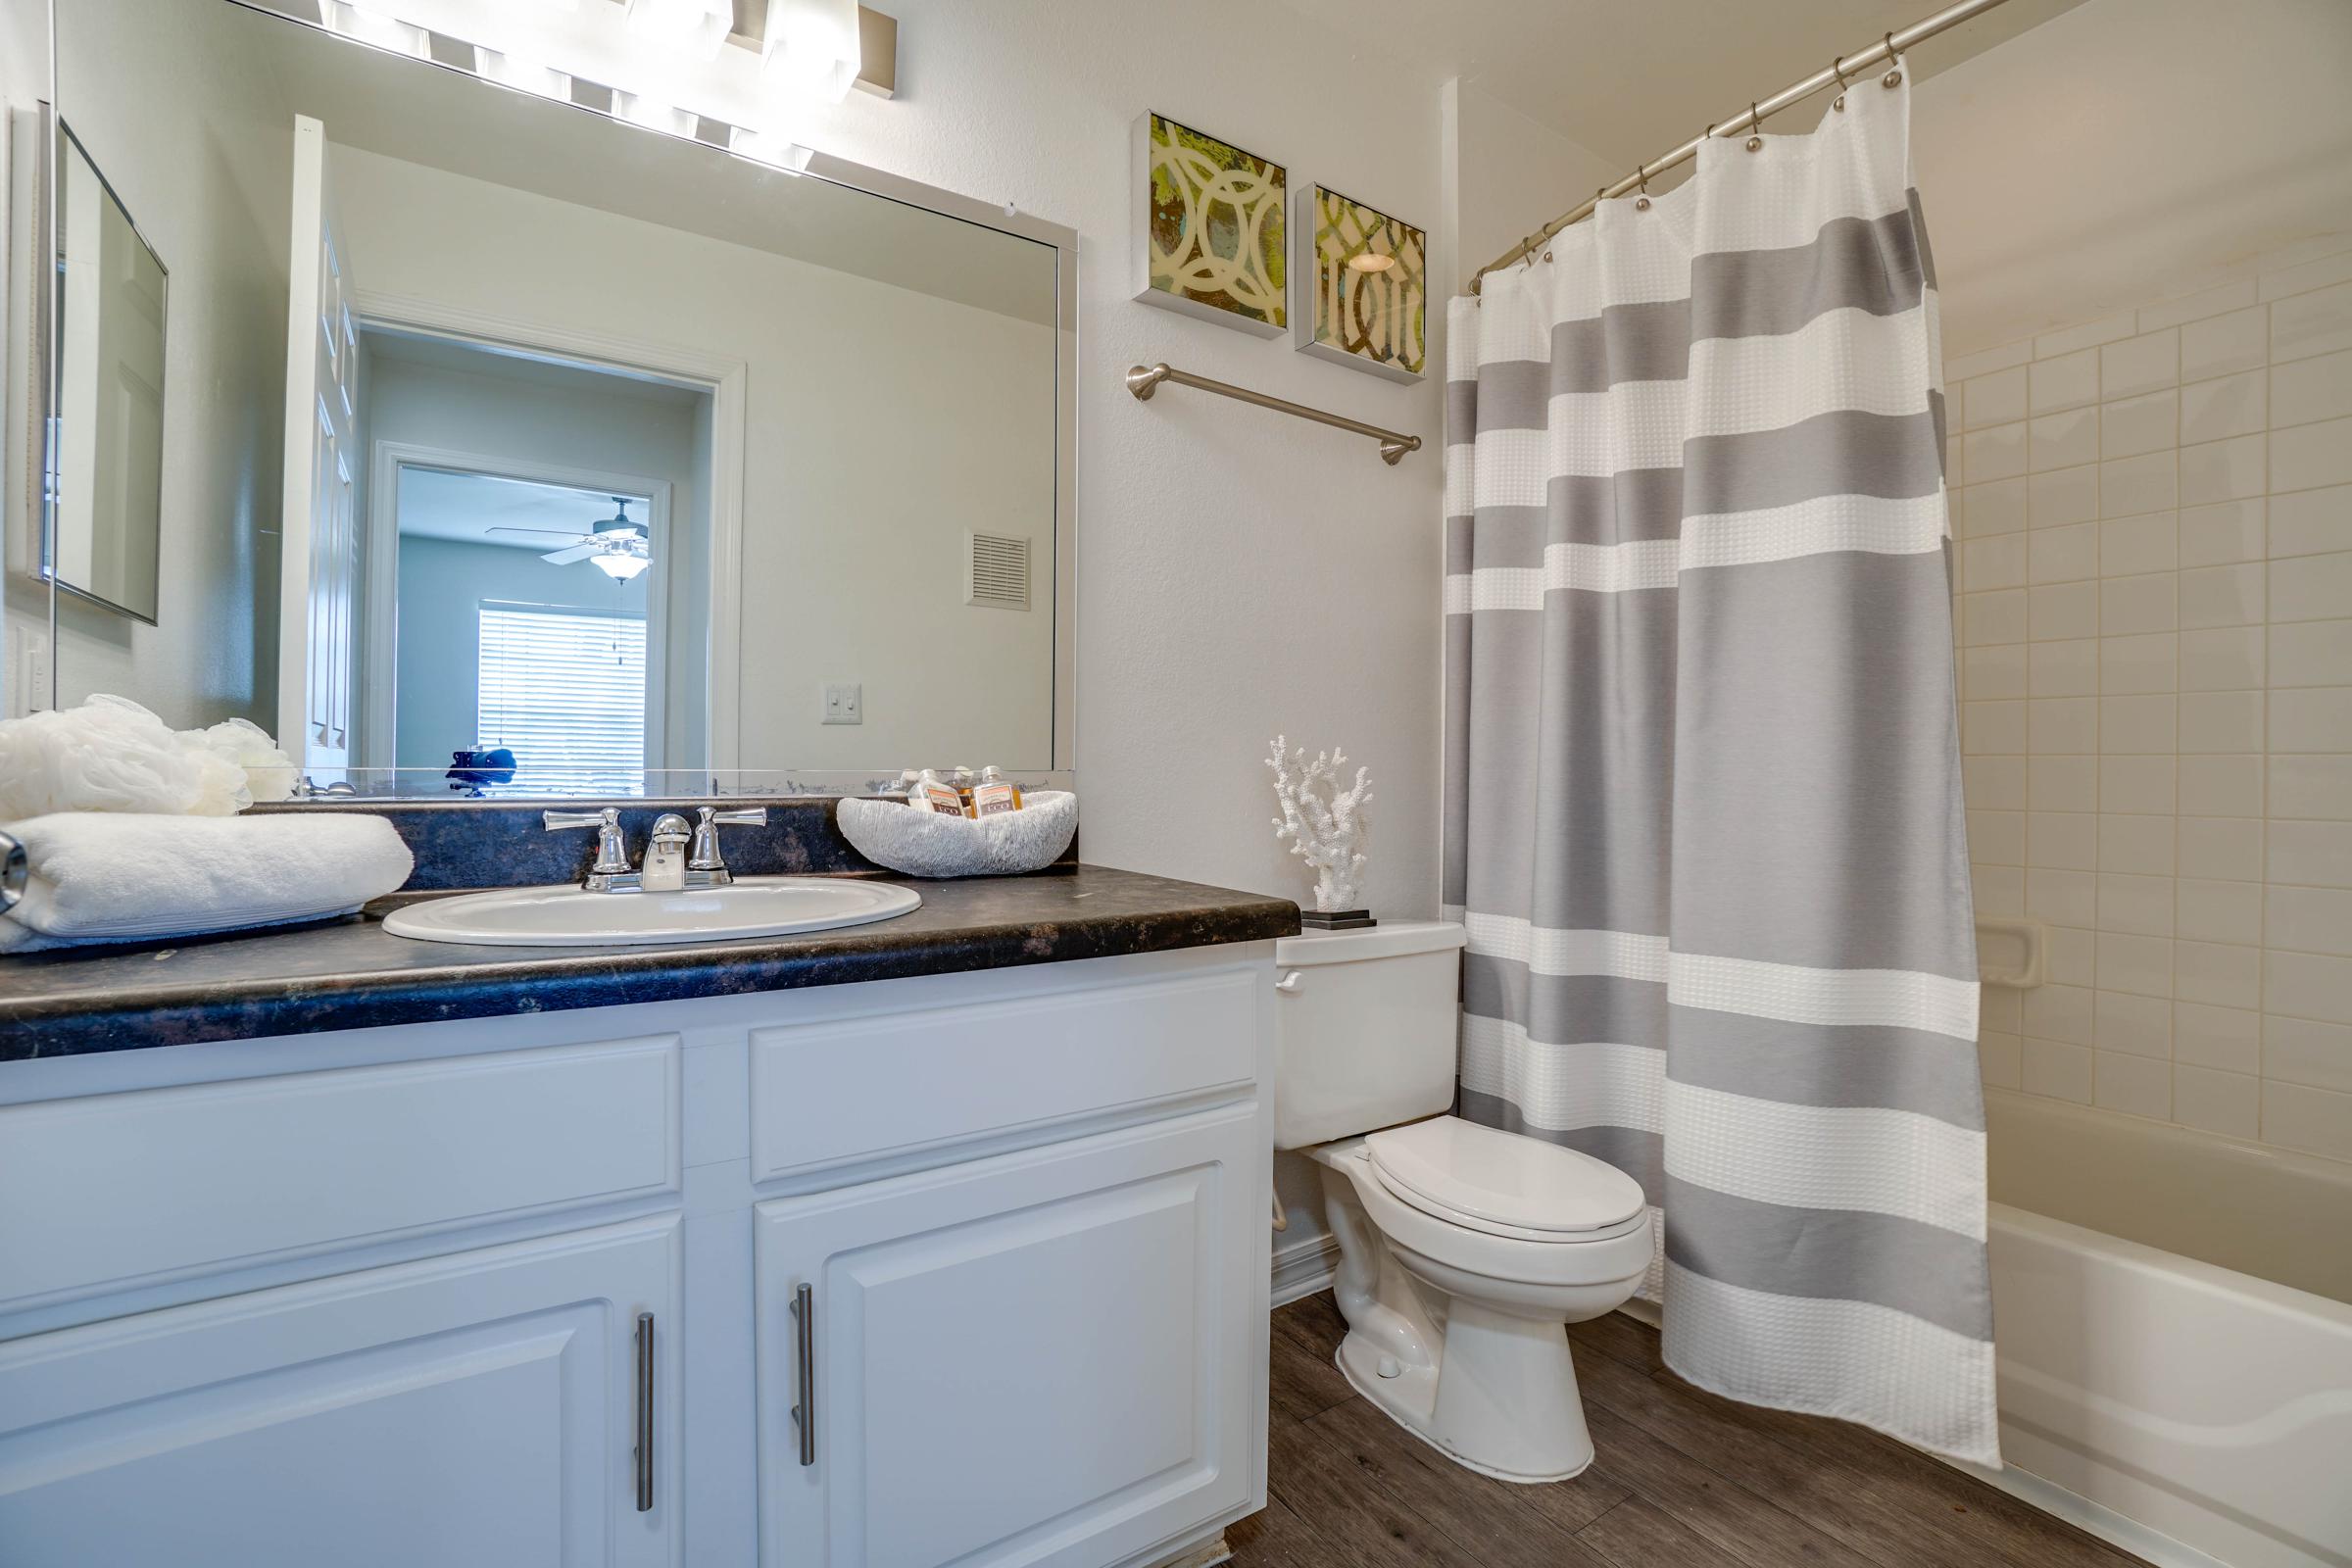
435, 504
1629, 80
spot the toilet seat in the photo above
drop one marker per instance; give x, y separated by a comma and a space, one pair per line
1503, 1184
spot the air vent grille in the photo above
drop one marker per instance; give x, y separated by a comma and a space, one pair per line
997, 571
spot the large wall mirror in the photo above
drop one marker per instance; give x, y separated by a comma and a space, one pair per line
505, 445
107, 499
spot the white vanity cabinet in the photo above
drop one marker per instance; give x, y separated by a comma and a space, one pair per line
1037, 1358
376, 1298
476, 1408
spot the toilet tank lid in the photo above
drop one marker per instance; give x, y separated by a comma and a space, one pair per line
1506, 1178
1391, 939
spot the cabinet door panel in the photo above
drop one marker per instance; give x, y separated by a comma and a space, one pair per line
1043, 1358
469, 1409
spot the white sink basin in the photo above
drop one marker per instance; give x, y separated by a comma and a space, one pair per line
566, 918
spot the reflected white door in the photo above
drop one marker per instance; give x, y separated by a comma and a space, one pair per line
319, 546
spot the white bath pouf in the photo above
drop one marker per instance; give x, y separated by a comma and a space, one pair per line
930, 844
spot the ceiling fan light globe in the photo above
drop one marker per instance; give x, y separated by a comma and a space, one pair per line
621, 568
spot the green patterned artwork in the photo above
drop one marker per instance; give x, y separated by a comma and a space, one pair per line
1212, 218
1367, 275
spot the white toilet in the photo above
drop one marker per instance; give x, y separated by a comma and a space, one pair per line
1464, 1252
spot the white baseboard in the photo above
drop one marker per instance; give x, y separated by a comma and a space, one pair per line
2095, 1518
1304, 1267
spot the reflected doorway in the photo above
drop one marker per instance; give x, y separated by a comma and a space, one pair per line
537, 573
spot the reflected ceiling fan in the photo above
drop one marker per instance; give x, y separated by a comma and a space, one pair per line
618, 544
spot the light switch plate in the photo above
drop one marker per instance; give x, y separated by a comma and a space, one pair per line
845, 703
28, 657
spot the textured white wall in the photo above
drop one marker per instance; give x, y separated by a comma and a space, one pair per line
2149, 143
1508, 175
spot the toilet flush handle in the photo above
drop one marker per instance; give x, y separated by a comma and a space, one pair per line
1290, 983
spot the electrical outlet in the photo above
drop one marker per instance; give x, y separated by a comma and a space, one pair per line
845, 703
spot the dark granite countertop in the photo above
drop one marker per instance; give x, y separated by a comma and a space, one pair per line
350, 974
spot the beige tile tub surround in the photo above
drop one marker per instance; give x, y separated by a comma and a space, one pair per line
2153, 519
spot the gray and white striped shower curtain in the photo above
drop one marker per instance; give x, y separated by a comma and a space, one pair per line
1703, 813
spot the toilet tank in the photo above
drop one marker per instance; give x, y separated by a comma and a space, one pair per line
1366, 1025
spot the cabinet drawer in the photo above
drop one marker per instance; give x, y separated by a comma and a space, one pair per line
118, 1189
831, 1092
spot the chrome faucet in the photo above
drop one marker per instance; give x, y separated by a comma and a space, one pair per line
664, 868
676, 857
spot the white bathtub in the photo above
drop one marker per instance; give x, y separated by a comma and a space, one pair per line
2173, 1319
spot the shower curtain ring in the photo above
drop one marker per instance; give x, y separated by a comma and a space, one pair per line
1838, 70
1755, 128
1895, 77
1641, 176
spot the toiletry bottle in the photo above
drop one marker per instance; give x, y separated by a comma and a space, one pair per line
963, 779
932, 795
994, 794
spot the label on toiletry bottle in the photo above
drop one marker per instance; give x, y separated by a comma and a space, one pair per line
933, 796
994, 794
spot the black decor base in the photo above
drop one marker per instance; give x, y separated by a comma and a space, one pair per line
1335, 920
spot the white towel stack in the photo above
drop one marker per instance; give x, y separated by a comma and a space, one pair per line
114, 876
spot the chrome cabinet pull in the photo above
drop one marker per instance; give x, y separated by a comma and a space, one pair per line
804, 1326
14, 873
645, 1412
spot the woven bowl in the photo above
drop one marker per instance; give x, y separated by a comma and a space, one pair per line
929, 844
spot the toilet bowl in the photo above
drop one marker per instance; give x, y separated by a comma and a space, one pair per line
1465, 1250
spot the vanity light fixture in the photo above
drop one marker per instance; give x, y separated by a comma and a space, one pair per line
526, 74
369, 25
1371, 262
813, 52
698, 27
809, 52
771, 147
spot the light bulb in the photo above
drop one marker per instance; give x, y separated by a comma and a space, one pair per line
773, 148
621, 568
699, 27
372, 26
813, 49
530, 75
644, 109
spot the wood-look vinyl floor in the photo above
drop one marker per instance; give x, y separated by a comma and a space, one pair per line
1684, 1479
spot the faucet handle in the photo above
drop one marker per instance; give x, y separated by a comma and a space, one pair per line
612, 854
705, 855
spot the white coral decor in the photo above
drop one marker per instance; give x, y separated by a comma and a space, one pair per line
1323, 831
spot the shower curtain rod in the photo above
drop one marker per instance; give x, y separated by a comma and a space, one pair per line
1841, 72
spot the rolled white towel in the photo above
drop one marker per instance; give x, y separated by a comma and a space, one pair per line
114, 876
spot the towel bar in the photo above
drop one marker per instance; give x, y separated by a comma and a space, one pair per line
1143, 379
